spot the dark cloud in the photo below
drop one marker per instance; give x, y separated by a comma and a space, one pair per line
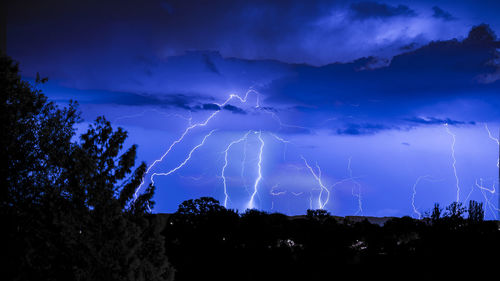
482, 34
250, 29
210, 64
442, 14
269, 109
363, 129
350, 128
409, 47
437, 121
381, 91
166, 100
123, 98
369, 9
436, 71
234, 109
210, 106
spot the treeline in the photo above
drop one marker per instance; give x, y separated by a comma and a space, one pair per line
205, 240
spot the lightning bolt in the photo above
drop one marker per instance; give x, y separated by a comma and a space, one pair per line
243, 161
322, 200
498, 166
185, 160
492, 191
226, 163
273, 193
275, 117
285, 142
356, 183
251, 203
317, 176
454, 160
494, 139
276, 193
310, 200
468, 195
419, 215
414, 194
193, 126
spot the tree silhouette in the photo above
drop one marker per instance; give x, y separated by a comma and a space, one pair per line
436, 212
476, 212
201, 206
67, 207
455, 210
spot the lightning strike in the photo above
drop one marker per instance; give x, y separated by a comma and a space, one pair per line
193, 126
285, 142
454, 160
310, 200
494, 139
226, 163
317, 176
492, 191
275, 117
251, 203
419, 215
185, 160
356, 183
273, 193
468, 195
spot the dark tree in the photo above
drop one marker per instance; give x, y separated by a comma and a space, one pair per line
34, 145
68, 208
318, 214
436, 212
200, 206
476, 212
455, 210
35, 139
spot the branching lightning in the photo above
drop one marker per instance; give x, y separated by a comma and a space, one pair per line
278, 193
251, 203
492, 191
324, 191
358, 185
275, 117
454, 160
419, 215
244, 138
321, 204
285, 142
494, 139
185, 160
192, 126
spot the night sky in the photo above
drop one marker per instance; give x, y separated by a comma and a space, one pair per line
384, 106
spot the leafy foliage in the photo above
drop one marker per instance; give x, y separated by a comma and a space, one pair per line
476, 211
68, 207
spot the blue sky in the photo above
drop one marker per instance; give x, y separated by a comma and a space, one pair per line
361, 90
